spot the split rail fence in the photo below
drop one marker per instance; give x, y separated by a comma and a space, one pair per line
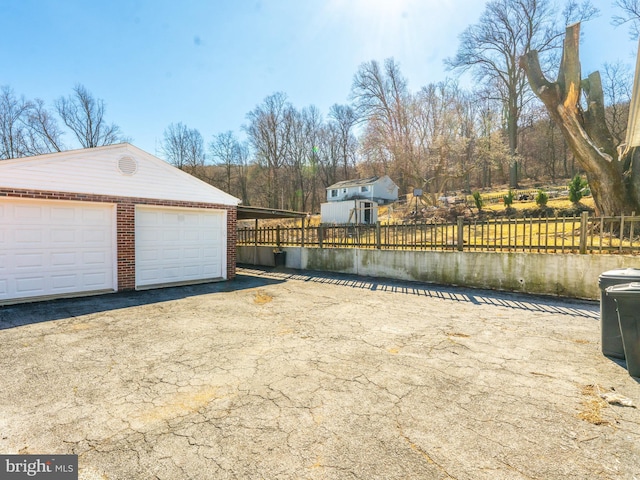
582, 234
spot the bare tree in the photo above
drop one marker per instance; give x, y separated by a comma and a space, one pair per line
614, 179
383, 100
183, 147
345, 118
224, 149
13, 111
507, 30
268, 133
84, 115
617, 83
26, 127
630, 13
44, 133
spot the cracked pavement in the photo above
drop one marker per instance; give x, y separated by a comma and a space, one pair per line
284, 374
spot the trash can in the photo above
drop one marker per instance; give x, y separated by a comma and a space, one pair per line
627, 298
609, 326
280, 259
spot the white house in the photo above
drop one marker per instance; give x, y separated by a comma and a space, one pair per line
381, 190
356, 201
361, 212
109, 219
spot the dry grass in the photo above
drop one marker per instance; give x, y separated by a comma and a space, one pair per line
261, 298
593, 405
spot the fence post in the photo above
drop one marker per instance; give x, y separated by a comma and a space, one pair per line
378, 235
584, 224
460, 241
302, 234
278, 236
320, 235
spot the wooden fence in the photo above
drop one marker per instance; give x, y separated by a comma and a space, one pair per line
583, 234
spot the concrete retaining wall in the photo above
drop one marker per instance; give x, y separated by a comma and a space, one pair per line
565, 275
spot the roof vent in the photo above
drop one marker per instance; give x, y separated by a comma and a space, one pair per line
127, 165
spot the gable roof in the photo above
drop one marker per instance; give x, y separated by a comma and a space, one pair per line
354, 183
119, 170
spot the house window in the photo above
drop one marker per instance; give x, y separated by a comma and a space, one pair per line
364, 189
334, 193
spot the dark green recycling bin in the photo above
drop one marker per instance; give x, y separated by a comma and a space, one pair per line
627, 298
609, 326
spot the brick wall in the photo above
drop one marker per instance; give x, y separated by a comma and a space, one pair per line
125, 207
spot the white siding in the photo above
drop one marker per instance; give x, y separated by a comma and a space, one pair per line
349, 211
95, 171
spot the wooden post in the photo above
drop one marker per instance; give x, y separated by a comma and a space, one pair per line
302, 233
278, 236
584, 223
378, 235
255, 244
320, 235
460, 232
621, 231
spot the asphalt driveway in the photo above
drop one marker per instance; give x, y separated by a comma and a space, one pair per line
281, 375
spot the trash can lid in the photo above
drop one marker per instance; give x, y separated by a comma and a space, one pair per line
621, 273
624, 289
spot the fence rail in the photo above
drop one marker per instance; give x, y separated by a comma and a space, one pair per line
583, 234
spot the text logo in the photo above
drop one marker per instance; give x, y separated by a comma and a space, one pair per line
43, 467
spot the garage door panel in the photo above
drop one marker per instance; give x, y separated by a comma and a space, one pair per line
29, 260
63, 259
29, 214
30, 286
59, 253
63, 214
62, 236
95, 236
94, 258
192, 236
65, 281
192, 253
146, 218
145, 255
172, 235
95, 217
32, 236
187, 245
93, 280
210, 269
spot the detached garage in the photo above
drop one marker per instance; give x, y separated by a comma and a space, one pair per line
109, 219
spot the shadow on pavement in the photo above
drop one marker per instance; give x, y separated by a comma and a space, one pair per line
518, 301
48, 310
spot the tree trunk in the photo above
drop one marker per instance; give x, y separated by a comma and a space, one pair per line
586, 132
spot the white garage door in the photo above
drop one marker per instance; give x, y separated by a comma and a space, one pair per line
55, 248
175, 245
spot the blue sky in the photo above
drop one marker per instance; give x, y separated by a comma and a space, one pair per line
208, 63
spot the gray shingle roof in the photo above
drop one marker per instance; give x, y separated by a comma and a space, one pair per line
354, 183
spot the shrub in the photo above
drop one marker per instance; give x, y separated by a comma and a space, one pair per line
508, 199
577, 188
477, 198
542, 198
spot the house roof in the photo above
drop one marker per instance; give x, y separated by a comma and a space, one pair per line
247, 212
354, 183
117, 170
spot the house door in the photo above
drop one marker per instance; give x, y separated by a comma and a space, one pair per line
367, 213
